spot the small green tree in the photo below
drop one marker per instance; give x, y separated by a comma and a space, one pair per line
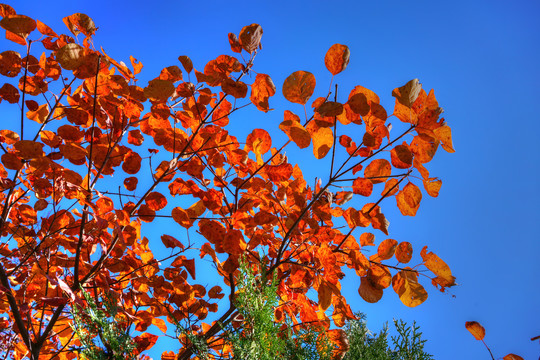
363, 344
100, 331
259, 337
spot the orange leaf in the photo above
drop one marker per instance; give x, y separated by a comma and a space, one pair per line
235, 44
444, 134
432, 186
439, 268
325, 296
337, 58
379, 276
168, 355
80, 23
362, 186
250, 37
424, 148
359, 104
404, 252
9, 93
299, 87
280, 172
401, 156
156, 201
378, 170
512, 357
410, 292
132, 163
130, 183
186, 62
261, 90
237, 89
20, 25
6, 10
369, 293
28, 149
408, 93
70, 56
366, 239
181, 217
10, 63
329, 108
323, 138
408, 199
386, 249
45, 30
476, 329
294, 130
160, 323
171, 73
145, 341
391, 187
215, 293
171, 242
159, 90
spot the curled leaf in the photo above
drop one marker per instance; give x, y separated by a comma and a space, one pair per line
408, 93
80, 23
250, 37
261, 90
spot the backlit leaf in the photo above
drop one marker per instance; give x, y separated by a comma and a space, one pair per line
444, 134
80, 23
410, 292
401, 156
404, 252
159, 90
21, 25
408, 93
250, 37
10, 63
261, 90
28, 149
337, 58
330, 108
186, 63
439, 268
476, 329
386, 249
432, 186
294, 130
378, 170
299, 87
369, 293
323, 138
408, 199
9, 93
512, 357
362, 186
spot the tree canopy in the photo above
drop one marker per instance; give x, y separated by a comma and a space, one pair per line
93, 157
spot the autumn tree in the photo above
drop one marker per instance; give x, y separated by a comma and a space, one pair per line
92, 156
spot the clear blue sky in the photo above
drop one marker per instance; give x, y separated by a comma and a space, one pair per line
481, 57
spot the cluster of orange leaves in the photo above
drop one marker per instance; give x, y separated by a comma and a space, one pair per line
83, 119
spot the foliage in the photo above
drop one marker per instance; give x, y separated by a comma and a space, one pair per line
253, 333
90, 156
407, 345
100, 330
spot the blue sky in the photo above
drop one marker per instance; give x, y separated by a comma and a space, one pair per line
481, 57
